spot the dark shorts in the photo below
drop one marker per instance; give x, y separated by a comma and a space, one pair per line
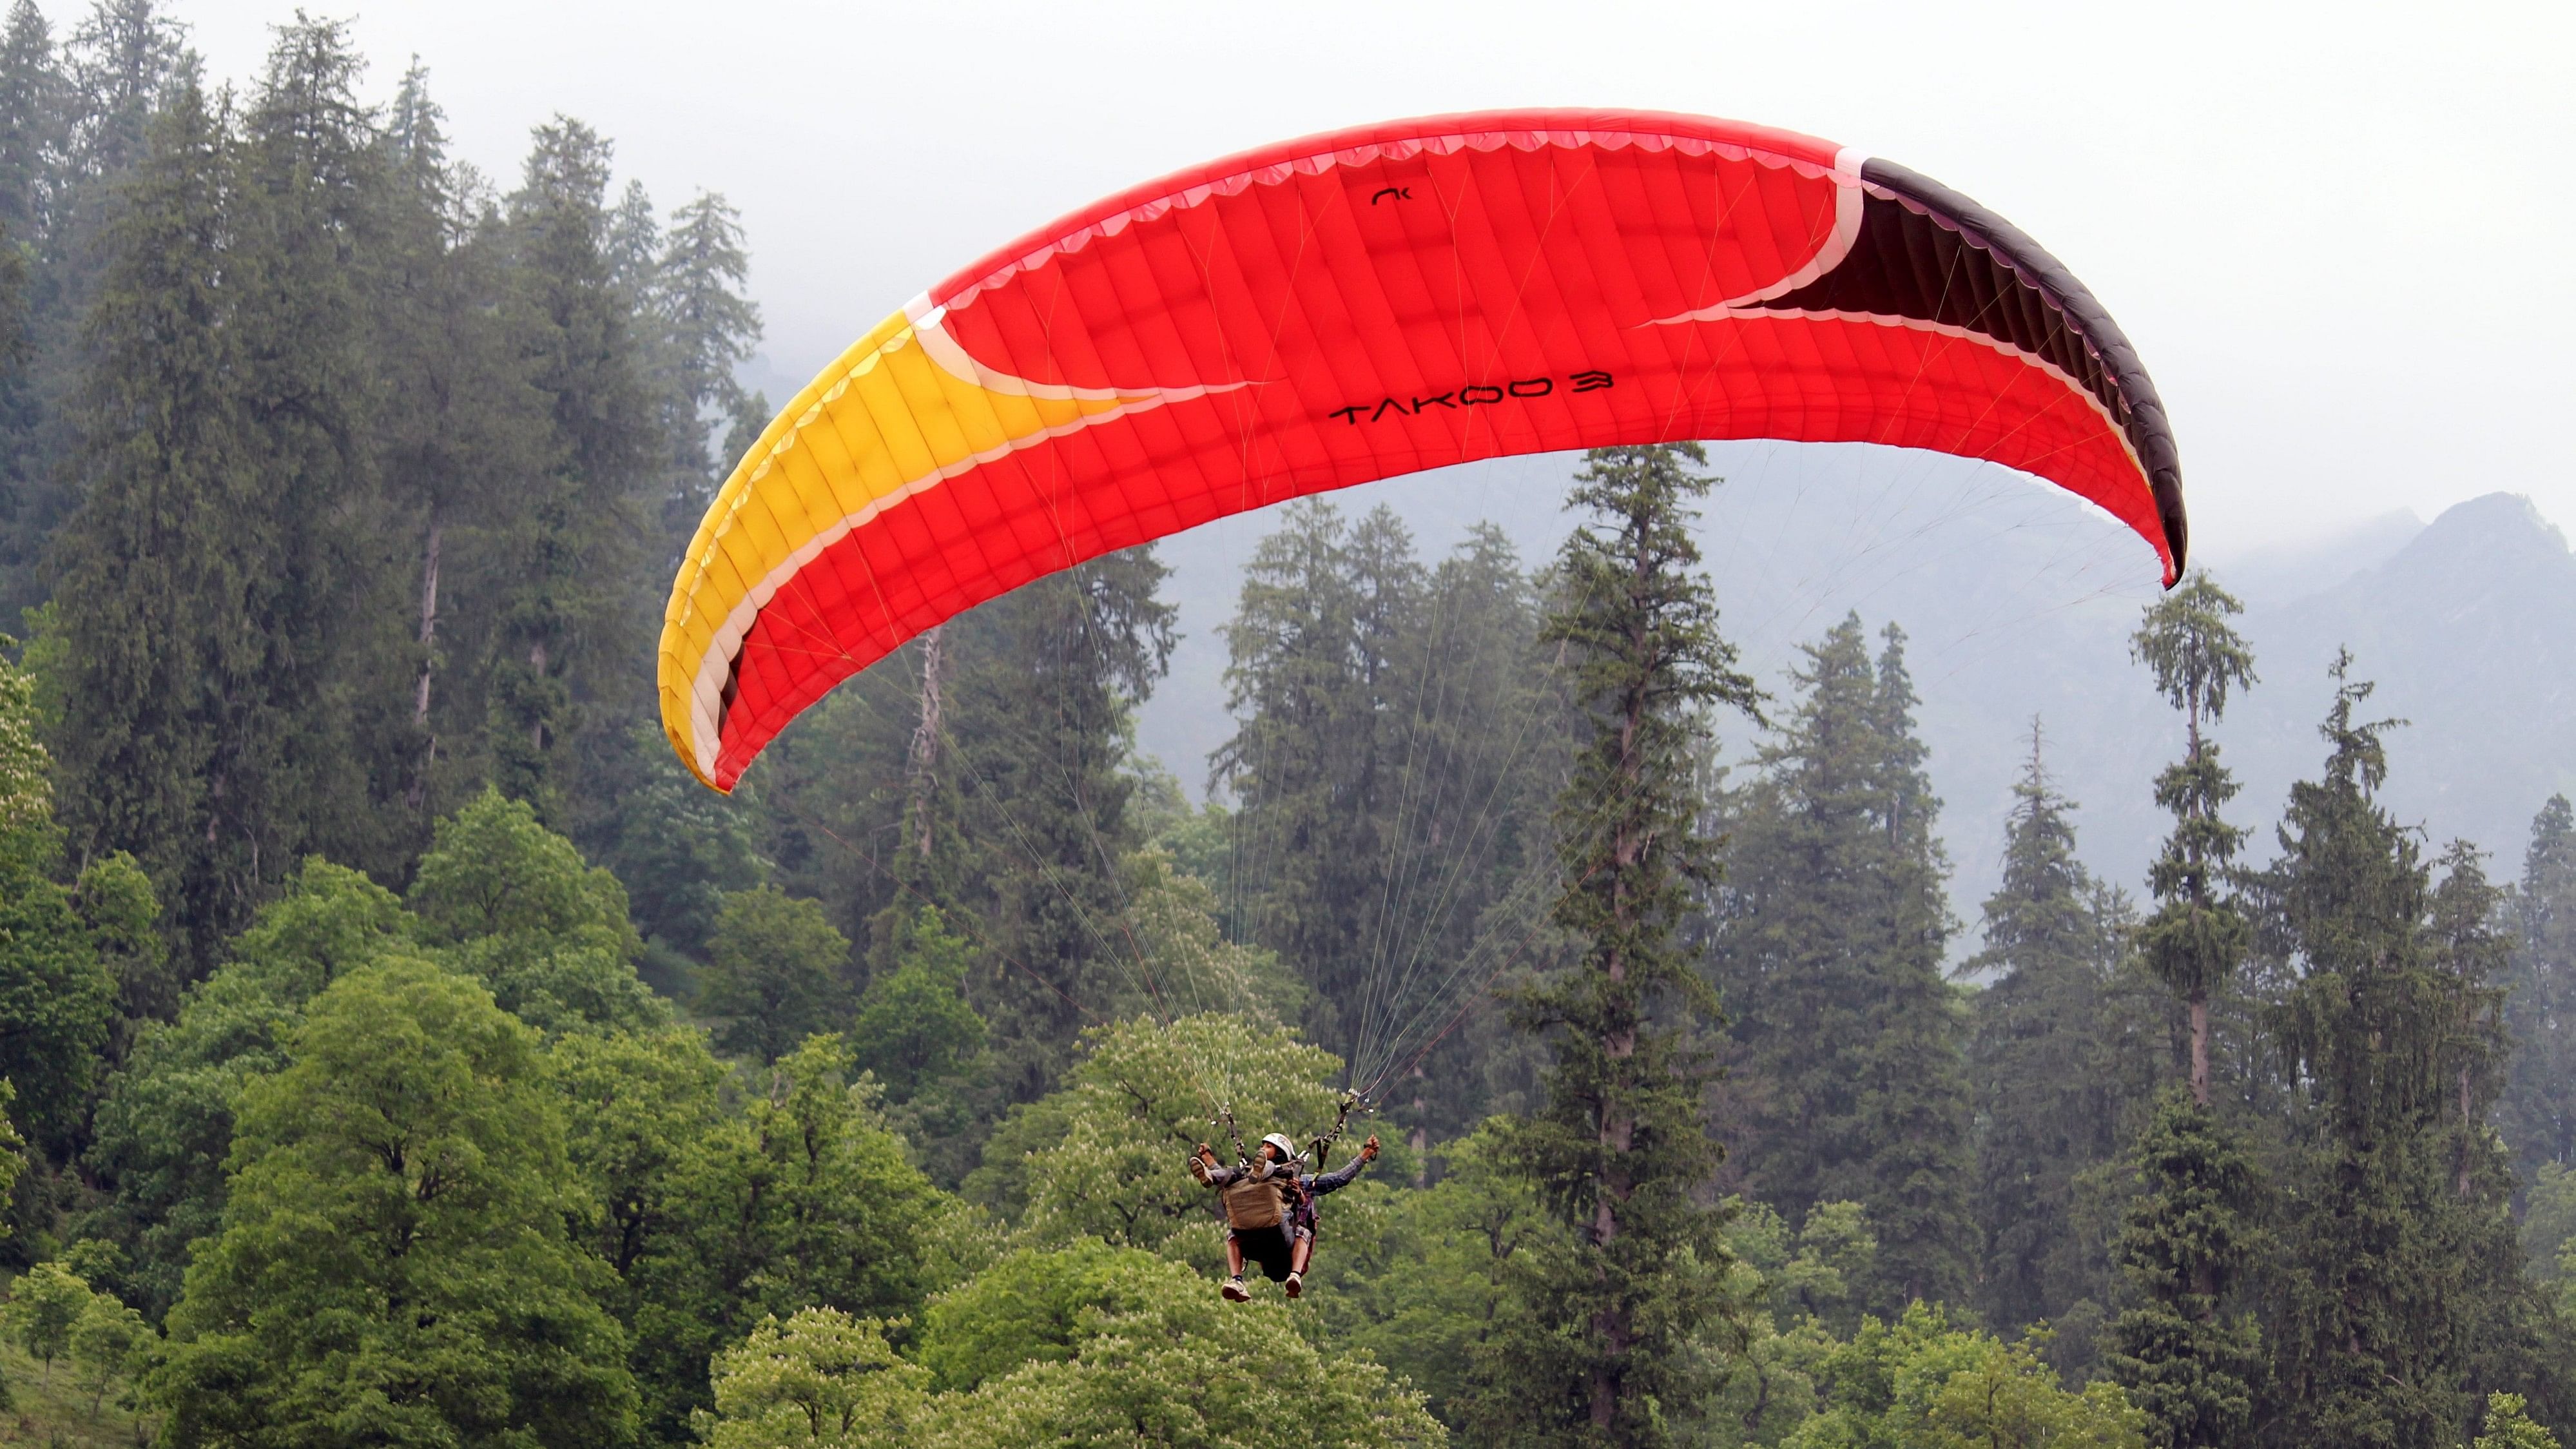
1270, 1249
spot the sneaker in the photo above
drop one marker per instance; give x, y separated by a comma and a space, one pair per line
1235, 1292
1296, 1284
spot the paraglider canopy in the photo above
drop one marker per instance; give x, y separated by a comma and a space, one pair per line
1381, 301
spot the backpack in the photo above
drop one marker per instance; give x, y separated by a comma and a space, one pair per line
1252, 1202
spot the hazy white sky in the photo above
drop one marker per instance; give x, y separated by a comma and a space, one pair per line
2339, 233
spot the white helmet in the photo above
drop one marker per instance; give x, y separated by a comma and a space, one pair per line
1287, 1149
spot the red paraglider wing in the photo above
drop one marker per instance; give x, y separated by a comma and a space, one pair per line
1351, 307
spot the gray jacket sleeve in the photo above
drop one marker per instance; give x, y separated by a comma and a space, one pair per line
1337, 1179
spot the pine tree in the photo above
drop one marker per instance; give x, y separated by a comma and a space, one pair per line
2052, 1089
1848, 1046
2195, 942
35, 125
124, 59
1044, 684
33, 132
567, 646
159, 635
2183, 1347
468, 426
1314, 680
1914, 1117
2182, 1352
1480, 738
2538, 1112
2394, 1227
1620, 1151
709, 328
327, 736
122, 65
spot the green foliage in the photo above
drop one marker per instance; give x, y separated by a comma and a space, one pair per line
803, 1198
820, 1378
511, 903
57, 1001
1922, 1382
1397, 737
1422, 1279
1171, 918
916, 1034
1816, 1272
13, 1156
1119, 1348
2508, 1427
1620, 1151
57, 994
2187, 1355
775, 972
392, 1264
45, 1305
914, 1026
111, 1345
2400, 1283
1848, 1060
1106, 1157
1794, 1292
166, 1124
2537, 1113
1034, 1306
29, 838
680, 848
114, 899
2066, 1049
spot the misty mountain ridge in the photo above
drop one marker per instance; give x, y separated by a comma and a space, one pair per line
2018, 601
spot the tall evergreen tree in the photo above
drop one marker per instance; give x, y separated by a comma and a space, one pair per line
567, 649
2388, 1279
2538, 1112
2185, 1351
2183, 1347
308, 232
467, 425
35, 124
2053, 1088
1045, 681
2195, 941
1314, 680
161, 640
709, 327
32, 135
1480, 738
1849, 1046
121, 65
1620, 1151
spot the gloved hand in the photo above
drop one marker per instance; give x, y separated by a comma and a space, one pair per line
1368, 1149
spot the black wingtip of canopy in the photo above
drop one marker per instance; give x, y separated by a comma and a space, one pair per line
2150, 430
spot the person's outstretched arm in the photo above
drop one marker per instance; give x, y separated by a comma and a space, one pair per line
1344, 1175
